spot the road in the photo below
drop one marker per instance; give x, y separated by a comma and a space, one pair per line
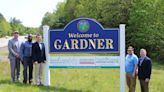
4, 41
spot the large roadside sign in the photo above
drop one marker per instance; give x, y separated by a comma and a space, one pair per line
87, 36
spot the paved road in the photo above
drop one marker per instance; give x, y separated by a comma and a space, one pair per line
4, 41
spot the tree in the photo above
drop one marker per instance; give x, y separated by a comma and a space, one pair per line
5, 28
16, 25
144, 20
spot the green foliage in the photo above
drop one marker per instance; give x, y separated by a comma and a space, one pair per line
7, 28
145, 27
16, 24
144, 20
4, 26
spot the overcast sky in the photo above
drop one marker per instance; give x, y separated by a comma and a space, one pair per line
30, 12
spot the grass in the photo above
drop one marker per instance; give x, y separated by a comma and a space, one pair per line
79, 80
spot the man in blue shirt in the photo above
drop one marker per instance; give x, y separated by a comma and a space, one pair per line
26, 57
131, 63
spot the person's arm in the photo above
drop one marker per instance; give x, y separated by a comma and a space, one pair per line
135, 66
22, 51
34, 53
149, 69
11, 49
135, 70
44, 52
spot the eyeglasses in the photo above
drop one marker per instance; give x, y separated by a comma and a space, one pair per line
130, 50
16, 33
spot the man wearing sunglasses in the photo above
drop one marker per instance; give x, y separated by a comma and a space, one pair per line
131, 64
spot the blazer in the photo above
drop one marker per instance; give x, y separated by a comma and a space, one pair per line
144, 69
13, 49
37, 53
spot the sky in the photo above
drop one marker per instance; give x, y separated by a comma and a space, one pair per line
29, 12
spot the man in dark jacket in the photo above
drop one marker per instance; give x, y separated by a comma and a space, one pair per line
144, 70
38, 56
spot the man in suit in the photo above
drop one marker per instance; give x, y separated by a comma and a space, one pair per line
144, 70
14, 56
38, 56
26, 57
131, 63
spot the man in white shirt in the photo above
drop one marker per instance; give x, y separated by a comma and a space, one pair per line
38, 57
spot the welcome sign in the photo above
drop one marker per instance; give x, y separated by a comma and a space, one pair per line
84, 35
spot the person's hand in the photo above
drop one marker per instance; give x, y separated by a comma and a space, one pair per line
17, 56
134, 74
35, 62
147, 80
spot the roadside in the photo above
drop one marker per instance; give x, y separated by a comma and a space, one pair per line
3, 54
4, 40
4, 49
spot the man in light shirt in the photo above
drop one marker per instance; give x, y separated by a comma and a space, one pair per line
38, 57
131, 63
14, 56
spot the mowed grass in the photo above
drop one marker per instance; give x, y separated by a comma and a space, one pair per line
79, 80
76, 80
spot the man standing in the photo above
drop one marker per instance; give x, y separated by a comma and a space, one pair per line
131, 68
14, 56
144, 70
38, 55
26, 57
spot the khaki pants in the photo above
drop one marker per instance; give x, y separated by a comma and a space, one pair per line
38, 73
144, 86
131, 82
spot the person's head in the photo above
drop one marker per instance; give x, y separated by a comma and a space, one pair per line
130, 50
143, 52
29, 37
38, 37
16, 34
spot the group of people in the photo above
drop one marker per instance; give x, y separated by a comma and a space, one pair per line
29, 54
34, 54
140, 67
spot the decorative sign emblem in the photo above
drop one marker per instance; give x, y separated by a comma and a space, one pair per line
83, 25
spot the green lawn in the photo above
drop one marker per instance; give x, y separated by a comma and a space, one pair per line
79, 80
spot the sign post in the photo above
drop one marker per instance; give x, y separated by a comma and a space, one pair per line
122, 57
46, 67
85, 35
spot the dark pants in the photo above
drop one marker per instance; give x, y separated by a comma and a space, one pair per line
27, 64
144, 86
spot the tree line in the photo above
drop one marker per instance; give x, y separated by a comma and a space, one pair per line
7, 28
144, 20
